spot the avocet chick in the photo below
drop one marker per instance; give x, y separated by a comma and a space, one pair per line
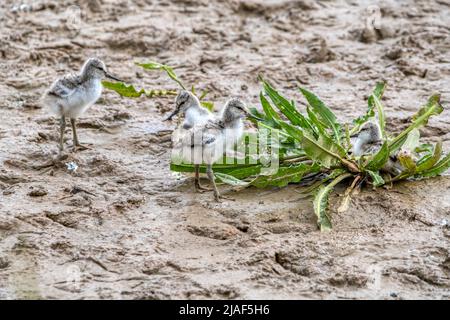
71, 95
188, 105
369, 141
207, 143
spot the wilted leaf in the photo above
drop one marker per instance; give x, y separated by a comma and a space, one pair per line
321, 203
407, 162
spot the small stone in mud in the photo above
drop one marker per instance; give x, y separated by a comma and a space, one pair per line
37, 191
393, 295
4, 263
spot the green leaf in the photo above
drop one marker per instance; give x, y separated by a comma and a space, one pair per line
326, 116
229, 179
377, 92
412, 141
407, 162
377, 180
130, 92
431, 160
377, 161
268, 110
208, 105
433, 107
381, 116
158, 66
285, 175
442, 166
319, 125
286, 107
324, 150
321, 202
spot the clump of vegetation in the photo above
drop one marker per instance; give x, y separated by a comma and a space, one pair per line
315, 145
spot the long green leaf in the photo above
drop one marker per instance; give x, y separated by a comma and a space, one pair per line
321, 203
268, 109
433, 107
412, 140
323, 113
229, 179
158, 66
286, 107
442, 166
377, 92
431, 160
285, 175
130, 91
381, 116
325, 150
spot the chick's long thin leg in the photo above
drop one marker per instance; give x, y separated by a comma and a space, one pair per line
198, 186
210, 174
76, 143
62, 128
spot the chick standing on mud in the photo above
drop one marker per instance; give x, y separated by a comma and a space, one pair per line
188, 105
71, 95
207, 143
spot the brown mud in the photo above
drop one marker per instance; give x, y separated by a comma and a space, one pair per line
123, 226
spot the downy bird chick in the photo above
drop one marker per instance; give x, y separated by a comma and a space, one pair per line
207, 143
369, 141
71, 95
188, 105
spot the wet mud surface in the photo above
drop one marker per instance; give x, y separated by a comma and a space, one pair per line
123, 226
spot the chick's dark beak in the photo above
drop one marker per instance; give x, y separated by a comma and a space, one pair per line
110, 76
173, 114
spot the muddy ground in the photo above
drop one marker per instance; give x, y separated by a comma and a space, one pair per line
124, 227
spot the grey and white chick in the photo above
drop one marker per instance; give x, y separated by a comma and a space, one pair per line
206, 143
71, 95
187, 104
368, 141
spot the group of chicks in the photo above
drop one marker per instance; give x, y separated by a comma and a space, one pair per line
202, 138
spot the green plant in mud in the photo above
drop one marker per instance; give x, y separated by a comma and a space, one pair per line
316, 145
129, 91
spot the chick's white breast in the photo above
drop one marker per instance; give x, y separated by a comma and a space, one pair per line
82, 98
